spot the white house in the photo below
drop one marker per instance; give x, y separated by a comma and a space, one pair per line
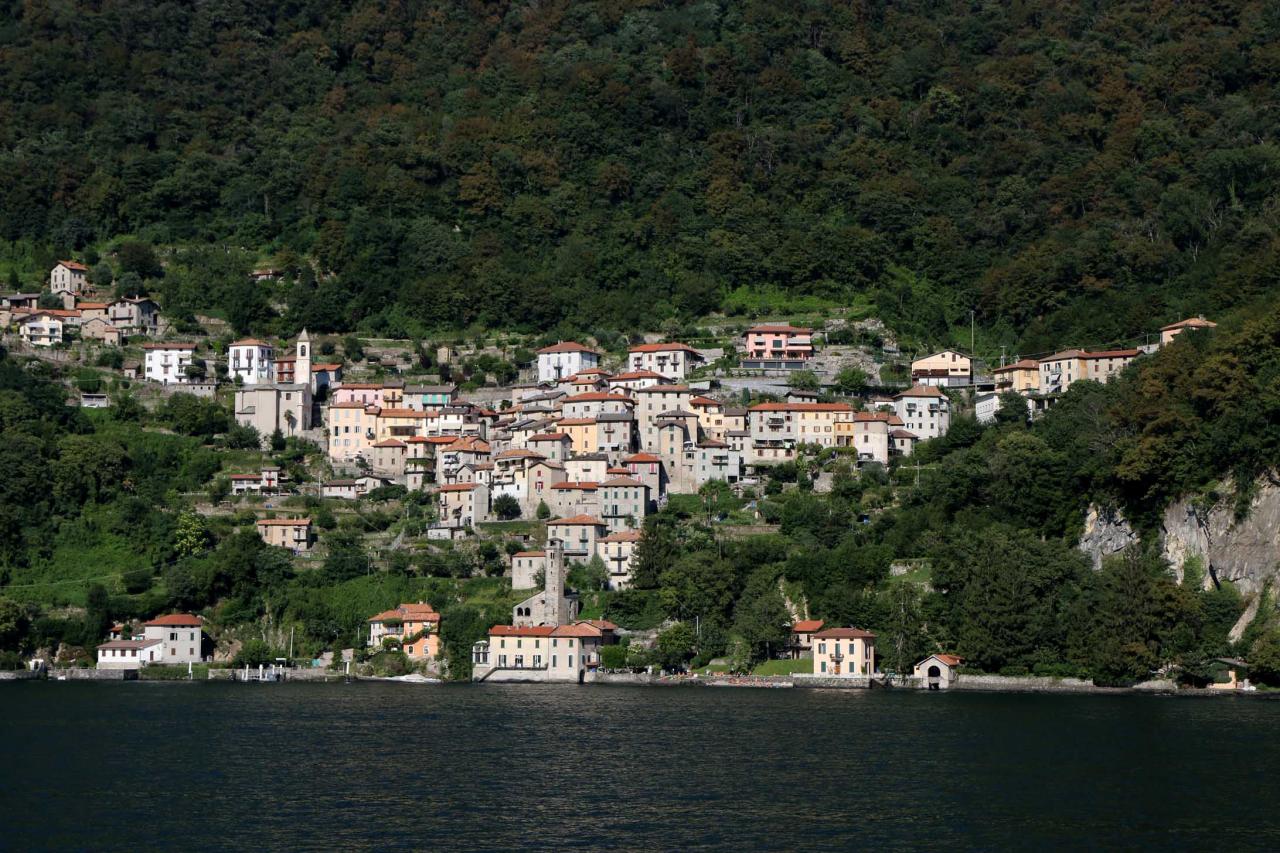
251, 361
174, 639
937, 672
565, 359
167, 363
924, 410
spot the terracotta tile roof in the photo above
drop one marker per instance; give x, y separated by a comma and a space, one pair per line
1113, 353
622, 481
844, 634
602, 624
519, 453
92, 306
575, 421
250, 342
549, 436
73, 265
642, 457
1190, 323
390, 442
636, 374
578, 521
623, 536
782, 328
1020, 364
671, 347
584, 630
597, 397
284, 522
524, 631
360, 386
420, 612
806, 626
175, 620
704, 401
576, 485
529, 554
949, 660
902, 433
802, 407
567, 346
459, 487
663, 389
436, 439
920, 391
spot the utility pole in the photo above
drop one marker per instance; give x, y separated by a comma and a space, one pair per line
972, 329
1002, 355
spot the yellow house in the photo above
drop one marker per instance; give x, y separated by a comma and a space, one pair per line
710, 414
581, 432
1022, 376
400, 423
848, 652
291, 533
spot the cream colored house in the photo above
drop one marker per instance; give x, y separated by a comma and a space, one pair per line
651, 402
1171, 331
69, 277
579, 534
672, 360
618, 551
623, 503
463, 504
937, 672
776, 428
942, 368
844, 652
175, 639
542, 653
294, 534
268, 408
868, 434
525, 566
41, 329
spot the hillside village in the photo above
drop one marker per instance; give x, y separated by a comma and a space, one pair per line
561, 466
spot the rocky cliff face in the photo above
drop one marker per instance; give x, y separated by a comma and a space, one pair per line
1247, 552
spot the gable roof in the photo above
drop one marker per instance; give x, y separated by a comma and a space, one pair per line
72, 265
920, 391
844, 634
567, 346
579, 521
175, 620
670, 347
806, 626
1190, 323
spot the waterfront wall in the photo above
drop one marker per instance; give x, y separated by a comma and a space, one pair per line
1045, 684
84, 674
840, 682
316, 674
20, 674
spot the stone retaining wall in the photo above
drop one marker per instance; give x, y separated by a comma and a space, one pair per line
84, 674
843, 682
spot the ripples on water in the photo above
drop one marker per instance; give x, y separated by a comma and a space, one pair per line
413, 767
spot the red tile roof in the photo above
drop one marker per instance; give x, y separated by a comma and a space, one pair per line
642, 457
597, 397
623, 481
844, 634
73, 265
459, 487
175, 620
921, 391
284, 522
420, 612
549, 436
576, 485
806, 626
579, 521
529, 554
622, 536
567, 346
671, 347
802, 407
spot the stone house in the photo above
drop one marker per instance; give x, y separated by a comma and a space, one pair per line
293, 534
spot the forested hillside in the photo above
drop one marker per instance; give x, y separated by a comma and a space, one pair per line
1068, 171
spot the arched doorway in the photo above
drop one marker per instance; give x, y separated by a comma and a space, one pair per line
934, 675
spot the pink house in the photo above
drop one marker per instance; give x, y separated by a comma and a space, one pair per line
777, 343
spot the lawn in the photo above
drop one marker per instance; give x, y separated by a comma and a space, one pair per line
783, 667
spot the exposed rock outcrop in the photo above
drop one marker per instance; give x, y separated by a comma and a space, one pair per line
1106, 532
1244, 552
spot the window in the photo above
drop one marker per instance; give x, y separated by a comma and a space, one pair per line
824, 666
822, 648
173, 635
571, 661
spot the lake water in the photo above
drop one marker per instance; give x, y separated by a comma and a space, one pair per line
412, 767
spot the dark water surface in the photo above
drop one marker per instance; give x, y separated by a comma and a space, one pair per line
411, 767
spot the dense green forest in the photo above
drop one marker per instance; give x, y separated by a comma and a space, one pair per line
1068, 171
986, 524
